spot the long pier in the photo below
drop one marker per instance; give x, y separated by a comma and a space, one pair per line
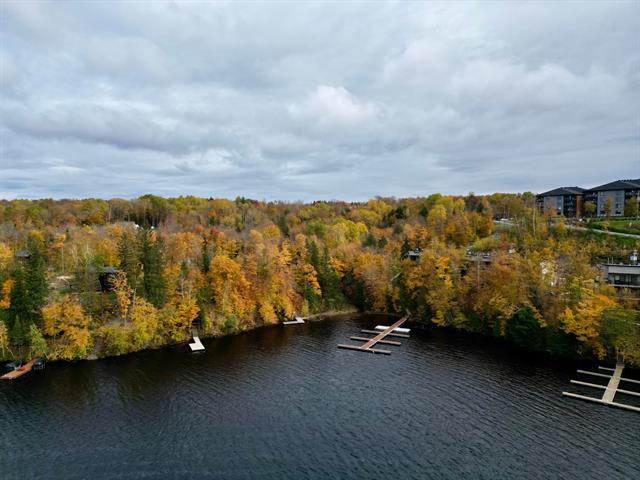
370, 343
610, 390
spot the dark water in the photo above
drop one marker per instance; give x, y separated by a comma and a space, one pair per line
284, 403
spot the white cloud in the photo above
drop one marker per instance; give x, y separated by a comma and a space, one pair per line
334, 107
276, 100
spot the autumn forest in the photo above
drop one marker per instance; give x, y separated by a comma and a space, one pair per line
91, 278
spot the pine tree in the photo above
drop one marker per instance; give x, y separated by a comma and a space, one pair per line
37, 284
19, 307
28, 294
154, 286
128, 255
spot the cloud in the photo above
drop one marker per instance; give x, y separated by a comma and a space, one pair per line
306, 101
333, 107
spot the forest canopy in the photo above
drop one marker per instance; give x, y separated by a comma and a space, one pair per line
89, 278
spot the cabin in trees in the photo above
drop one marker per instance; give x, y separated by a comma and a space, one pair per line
563, 201
24, 255
414, 254
611, 198
106, 278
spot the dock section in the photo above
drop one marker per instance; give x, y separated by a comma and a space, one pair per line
297, 321
610, 390
379, 337
196, 345
18, 372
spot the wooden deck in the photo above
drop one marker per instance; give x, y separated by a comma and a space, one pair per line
297, 321
393, 334
18, 372
610, 390
378, 338
196, 345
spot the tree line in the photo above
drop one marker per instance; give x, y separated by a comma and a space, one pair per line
105, 277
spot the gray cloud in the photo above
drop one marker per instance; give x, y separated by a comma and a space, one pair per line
315, 100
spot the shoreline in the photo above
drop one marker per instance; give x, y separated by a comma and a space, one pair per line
329, 314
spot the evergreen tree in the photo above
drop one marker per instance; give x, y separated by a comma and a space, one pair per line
154, 286
28, 294
37, 279
128, 255
205, 258
329, 280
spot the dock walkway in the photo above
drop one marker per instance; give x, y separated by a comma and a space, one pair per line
610, 390
18, 372
379, 338
196, 345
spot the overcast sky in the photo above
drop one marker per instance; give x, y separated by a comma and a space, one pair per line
304, 101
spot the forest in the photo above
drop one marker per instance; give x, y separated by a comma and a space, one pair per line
92, 278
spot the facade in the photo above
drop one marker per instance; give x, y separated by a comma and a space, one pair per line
623, 275
610, 199
563, 201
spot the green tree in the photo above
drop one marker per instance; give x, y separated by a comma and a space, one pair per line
589, 209
128, 255
28, 294
631, 207
37, 342
154, 285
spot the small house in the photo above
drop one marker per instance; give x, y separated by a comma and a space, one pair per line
106, 277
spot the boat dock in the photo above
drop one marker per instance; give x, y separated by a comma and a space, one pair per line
297, 321
610, 390
370, 342
196, 345
18, 372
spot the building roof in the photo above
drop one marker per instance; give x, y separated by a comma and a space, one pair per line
618, 185
563, 191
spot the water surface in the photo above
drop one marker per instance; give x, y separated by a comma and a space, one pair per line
284, 403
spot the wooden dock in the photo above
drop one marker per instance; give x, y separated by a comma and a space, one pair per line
379, 337
297, 321
196, 345
18, 372
610, 390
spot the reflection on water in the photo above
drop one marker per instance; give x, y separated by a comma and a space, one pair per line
283, 402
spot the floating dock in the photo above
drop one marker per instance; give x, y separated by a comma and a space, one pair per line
196, 345
297, 321
379, 338
395, 330
610, 390
18, 372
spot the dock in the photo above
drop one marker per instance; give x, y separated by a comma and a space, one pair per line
196, 345
18, 372
297, 321
370, 342
381, 328
610, 390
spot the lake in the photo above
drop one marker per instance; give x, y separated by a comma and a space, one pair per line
285, 403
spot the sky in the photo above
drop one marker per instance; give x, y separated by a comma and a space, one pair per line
316, 100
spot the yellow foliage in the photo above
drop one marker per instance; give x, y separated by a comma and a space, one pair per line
5, 256
584, 321
144, 318
307, 274
5, 293
123, 294
67, 323
179, 315
230, 288
4, 339
267, 312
